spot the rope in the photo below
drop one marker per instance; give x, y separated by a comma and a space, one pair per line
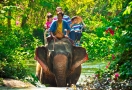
53, 46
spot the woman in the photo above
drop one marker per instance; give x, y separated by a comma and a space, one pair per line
49, 19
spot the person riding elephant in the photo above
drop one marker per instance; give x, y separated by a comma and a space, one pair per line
59, 62
58, 27
65, 17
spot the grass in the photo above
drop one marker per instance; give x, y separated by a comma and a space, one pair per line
32, 68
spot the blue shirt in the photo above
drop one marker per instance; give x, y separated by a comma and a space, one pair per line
53, 26
76, 27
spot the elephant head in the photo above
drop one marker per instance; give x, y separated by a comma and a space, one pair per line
60, 62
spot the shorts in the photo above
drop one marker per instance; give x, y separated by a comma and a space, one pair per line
78, 36
75, 36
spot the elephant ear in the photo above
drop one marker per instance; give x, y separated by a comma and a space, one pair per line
41, 55
79, 56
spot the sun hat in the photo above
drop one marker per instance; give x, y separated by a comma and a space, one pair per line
49, 15
79, 19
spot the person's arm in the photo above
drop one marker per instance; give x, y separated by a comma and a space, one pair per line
83, 24
45, 26
51, 33
68, 29
67, 32
52, 29
71, 24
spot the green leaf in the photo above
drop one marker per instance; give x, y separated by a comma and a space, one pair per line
130, 3
2, 11
129, 10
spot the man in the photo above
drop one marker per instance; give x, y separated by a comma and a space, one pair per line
57, 29
65, 17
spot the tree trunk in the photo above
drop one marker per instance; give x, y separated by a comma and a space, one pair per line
25, 17
9, 19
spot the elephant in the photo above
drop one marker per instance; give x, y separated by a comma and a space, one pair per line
59, 63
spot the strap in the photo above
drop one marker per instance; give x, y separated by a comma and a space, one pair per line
53, 48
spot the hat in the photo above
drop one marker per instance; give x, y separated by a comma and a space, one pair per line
49, 15
79, 19
73, 18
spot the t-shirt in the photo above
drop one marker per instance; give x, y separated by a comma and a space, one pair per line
47, 24
59, 28
54, 26
65, 17
76, 27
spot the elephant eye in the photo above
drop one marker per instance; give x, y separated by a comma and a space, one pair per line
68, 54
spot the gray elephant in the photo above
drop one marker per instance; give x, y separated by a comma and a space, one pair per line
59, 63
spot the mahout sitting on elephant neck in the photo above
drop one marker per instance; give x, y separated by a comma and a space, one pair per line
49, 39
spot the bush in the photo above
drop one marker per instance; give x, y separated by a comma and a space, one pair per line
17, 46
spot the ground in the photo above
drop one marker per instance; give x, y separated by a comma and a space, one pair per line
12, 83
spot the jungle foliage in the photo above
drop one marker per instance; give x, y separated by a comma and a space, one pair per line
108, 34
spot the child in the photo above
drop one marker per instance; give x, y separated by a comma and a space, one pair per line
76, 30
49, 19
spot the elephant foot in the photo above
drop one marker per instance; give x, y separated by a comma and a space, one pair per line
74, 76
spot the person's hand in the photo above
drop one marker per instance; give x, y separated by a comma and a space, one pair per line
66, 36
54, 37
45, 26
84, 26
71, 24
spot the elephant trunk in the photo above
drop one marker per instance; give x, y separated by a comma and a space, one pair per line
60, 67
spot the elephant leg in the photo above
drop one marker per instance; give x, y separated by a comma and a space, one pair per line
42, 78
40, 73
47, 78
73, 78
